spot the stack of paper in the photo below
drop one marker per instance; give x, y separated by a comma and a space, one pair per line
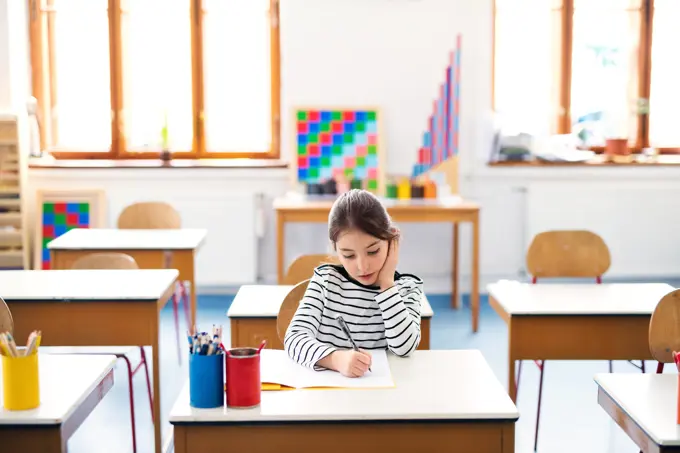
279, 372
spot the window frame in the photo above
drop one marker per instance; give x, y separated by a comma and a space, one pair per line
42, 57
563, 120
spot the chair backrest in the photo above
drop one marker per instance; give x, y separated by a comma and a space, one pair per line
6, 321
567, 253
664, 328
289, 306
303, 267
149, 215
105, 261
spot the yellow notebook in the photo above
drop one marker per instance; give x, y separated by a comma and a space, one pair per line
279, 372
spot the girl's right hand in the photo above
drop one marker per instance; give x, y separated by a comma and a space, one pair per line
351, 363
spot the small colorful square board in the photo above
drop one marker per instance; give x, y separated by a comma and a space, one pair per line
338, 143
57, 219
61, 210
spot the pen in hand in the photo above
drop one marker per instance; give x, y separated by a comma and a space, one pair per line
345, 329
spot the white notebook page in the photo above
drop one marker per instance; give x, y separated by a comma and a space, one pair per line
277, 368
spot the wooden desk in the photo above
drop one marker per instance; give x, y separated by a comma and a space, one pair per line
255, 308
93, 308
151, 249
645, 406
548, 321
71, 386
290, 209
444, 401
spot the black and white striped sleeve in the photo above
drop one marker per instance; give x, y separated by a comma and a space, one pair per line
300, 341
400, 307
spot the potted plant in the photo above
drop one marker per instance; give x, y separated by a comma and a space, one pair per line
617, 129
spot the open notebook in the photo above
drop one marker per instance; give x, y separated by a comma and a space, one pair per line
279, 372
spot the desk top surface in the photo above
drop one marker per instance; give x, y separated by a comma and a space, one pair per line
117, 239
578, 299
65, 382
312, 203
430, 385
264, 301
86, 285
650, 400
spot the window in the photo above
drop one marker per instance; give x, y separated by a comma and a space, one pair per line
129, 78
597, 68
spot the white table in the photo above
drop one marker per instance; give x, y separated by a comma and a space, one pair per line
151, 249
254, 310
92, 308
70, 389
553, 321
441, 398
645, 406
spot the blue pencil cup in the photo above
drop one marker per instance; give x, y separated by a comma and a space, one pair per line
206, 381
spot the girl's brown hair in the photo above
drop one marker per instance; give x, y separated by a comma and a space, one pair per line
361, 210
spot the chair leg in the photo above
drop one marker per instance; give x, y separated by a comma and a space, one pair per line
519, 375
642, 366
148, 381
132, 402
538, 410
175, 313
611, 366
659, 368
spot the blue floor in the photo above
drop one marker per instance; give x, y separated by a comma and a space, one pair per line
571, 419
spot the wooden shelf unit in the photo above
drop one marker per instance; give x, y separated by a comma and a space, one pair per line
14, 243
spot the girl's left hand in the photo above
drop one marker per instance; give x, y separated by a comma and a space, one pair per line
386, 275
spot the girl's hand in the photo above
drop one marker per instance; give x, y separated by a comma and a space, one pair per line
350, 363
386, 275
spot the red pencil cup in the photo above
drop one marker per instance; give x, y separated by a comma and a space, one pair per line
243, 378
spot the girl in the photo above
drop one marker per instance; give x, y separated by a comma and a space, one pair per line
380, 305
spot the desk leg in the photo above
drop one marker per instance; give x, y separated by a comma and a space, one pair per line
156, 353
280, 246
455, 301
192, 289
512, 385
474, 302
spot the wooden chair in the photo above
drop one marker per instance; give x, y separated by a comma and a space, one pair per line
6, 321
303, 267
664, 329
289, 306
565, 254
149, 215
116, 261
156, 215
105, 261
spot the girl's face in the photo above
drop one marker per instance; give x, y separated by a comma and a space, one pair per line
362, 255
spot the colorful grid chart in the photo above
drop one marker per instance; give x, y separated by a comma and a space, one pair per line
337, 144
440, 140
57, 219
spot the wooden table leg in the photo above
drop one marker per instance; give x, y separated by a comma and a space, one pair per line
280, 246
512, 384
455, 301
192, 290
474, 302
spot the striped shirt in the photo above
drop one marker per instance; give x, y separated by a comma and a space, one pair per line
378, 320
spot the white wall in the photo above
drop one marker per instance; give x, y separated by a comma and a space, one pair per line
391, 53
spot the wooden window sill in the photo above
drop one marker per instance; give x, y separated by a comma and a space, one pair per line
599, 161
155, 163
